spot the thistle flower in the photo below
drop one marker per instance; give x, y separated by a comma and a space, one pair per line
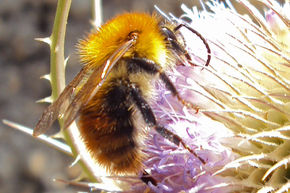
247, 88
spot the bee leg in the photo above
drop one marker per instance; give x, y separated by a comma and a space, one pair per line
172, 39
170, 86
174, 44
150, 119
176, 140
146, 178
150, 67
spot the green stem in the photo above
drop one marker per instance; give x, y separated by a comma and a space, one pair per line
57, 67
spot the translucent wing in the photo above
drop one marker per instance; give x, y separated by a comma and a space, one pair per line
53, 111
93, 84
88, 90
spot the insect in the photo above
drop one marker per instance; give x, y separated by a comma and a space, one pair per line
109, 96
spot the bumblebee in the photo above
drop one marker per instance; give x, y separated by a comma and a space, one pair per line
109, 98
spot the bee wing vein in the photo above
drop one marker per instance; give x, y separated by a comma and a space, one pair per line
53, 111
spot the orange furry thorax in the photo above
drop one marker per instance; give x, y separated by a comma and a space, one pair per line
100, 44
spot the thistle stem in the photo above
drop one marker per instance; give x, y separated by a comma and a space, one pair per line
57, 67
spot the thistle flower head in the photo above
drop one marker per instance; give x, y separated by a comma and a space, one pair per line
247, 88
242, 129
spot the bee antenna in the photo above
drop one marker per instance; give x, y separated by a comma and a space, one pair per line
200, 36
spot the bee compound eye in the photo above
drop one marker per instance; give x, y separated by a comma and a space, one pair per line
168, 33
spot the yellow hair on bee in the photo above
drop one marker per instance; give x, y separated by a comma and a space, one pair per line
101, 43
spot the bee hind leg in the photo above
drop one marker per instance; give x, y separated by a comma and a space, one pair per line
176, 140
146, 178
150, 119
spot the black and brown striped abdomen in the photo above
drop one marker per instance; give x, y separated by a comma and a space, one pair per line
107, 127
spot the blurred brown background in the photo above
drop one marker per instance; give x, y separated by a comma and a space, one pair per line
26, 165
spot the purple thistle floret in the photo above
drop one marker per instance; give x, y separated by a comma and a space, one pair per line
175, 168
